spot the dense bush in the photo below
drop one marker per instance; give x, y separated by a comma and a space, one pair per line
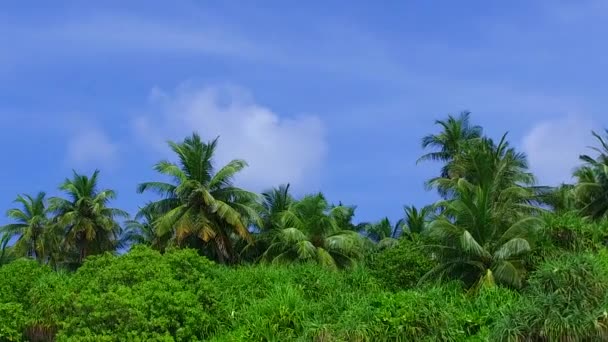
571, 232
401, 266
181, 296
566, 300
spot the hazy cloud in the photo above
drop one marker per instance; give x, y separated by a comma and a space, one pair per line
553, 147
90, 146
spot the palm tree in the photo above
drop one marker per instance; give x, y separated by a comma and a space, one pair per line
486, 163
591, 190
201, 208
416, 220
451, 141
602, 150
274, 203
31, 223
559, 199
383, 233
486, 227
309, 231
141, 230
90, 225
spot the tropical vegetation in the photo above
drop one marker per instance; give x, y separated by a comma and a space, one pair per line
498, 257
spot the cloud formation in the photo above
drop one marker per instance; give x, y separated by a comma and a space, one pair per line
90, 146
553, 147
278, 149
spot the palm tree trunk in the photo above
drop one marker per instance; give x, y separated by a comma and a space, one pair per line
83, 254
223, 249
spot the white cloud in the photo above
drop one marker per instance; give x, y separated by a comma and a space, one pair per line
278, 149
553, 147
89, 146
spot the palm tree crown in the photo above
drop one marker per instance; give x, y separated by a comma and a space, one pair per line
311, 230
451, 141
591, 190
201, 207
90, 225
31, 223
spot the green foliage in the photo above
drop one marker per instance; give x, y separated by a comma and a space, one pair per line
565, 301
401, 266
17, 278
181, 296
12, 321
572, 232
141, 295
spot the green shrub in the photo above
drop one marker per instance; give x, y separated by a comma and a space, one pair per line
574, 233
17, 278
401, 266
12, 322
141, 295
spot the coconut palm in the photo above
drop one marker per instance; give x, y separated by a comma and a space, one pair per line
591, 190
486, 227
90, 225
309, 231
201, 208
31, 223
451, 141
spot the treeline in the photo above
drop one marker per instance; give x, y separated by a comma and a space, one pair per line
499, 257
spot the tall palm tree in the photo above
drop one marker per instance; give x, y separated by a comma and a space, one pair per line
486, 226
451, 141
309, 231
31, 223
591, 190
90, 225
201, 208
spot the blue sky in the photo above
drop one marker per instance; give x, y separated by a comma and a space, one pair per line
332, 96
